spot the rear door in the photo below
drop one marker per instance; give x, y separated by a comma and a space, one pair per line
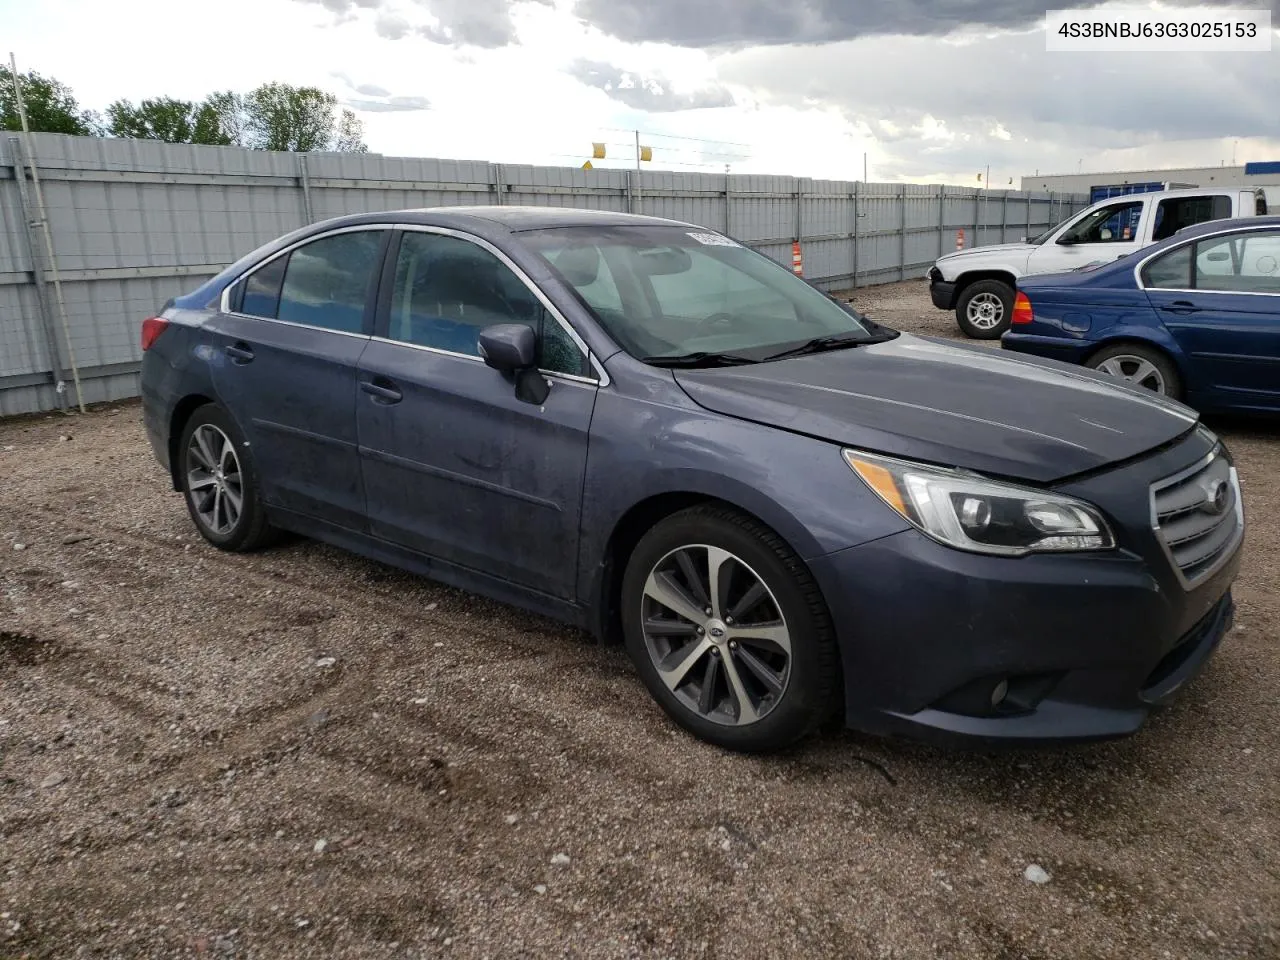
284, 361
1226, 314
455, 465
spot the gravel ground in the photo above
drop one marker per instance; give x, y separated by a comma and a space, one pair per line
301, 753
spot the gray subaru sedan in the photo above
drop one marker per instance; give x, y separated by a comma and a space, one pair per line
788, 512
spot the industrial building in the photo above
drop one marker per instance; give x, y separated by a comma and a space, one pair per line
1097, 185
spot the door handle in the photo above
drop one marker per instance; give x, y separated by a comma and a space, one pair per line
382, 392
239, 352
1181, 307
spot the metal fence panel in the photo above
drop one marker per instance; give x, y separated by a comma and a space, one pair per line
137, 222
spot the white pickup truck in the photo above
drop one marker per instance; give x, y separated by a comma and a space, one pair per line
979, 284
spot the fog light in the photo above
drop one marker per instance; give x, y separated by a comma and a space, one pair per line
999, 692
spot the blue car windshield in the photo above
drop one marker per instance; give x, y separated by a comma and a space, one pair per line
664, 292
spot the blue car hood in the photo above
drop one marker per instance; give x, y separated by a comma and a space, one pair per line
966, 406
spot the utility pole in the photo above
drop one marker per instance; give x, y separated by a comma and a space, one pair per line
44, 224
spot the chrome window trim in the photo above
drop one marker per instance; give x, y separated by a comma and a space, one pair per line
1138, 268
1228, 551
602, 375
555, 374
224, 300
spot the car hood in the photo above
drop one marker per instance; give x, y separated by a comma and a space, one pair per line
996, 248
966, 406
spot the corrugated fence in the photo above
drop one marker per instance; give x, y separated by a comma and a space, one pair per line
135, 222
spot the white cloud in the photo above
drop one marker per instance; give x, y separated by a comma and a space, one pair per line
513, 88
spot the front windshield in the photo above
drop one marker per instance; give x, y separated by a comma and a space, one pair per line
664, 292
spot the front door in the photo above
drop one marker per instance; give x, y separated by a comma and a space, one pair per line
284, 366
455, 464
1107, 234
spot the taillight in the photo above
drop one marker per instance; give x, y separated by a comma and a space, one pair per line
152, 327
1022, 309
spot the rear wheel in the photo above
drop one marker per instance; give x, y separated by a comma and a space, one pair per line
1140, 365
220, 483
985, 309
729, 631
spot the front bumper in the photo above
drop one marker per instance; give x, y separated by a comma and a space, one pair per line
942, 293
1087, 644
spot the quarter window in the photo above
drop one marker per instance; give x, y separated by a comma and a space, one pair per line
261, 297
447, 290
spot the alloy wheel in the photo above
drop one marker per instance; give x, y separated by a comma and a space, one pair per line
985, 311
716, 635
1137, 370
214, 481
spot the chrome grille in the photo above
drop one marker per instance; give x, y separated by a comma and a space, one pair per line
1198, 517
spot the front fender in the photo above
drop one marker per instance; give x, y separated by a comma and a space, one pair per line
797, 485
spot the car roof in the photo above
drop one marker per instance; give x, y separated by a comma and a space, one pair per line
1181, 192
1223, 226
513, 219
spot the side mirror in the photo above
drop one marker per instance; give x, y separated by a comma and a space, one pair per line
508, 346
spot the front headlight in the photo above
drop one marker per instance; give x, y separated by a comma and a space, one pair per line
972, 513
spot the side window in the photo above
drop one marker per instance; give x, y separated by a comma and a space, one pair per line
1114, 223
327, 282
447, 290
1171, 271
1174, 214
1244, 263
260, 293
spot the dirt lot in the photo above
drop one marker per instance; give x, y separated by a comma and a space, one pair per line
300, 753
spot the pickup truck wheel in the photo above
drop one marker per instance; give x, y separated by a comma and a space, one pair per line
1141, 366
985, 309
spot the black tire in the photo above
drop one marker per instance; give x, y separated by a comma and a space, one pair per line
250, 531
983, 291
811, 691
1128, 357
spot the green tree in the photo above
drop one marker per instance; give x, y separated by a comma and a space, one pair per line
51, 107
350, 134
162, 118
284, 117
220, 120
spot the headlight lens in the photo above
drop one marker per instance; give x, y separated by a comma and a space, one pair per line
972, 513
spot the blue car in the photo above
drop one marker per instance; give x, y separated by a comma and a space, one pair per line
787, 512
1195, 317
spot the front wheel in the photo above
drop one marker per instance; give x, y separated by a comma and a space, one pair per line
729, 631
985, 309
220, 483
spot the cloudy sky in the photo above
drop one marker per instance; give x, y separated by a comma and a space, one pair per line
930, 90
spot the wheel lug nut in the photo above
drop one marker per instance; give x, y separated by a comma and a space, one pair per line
733, 644
728, 621
701, 631
707, 611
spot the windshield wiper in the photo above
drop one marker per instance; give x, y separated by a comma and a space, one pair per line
837, 341
701, 358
